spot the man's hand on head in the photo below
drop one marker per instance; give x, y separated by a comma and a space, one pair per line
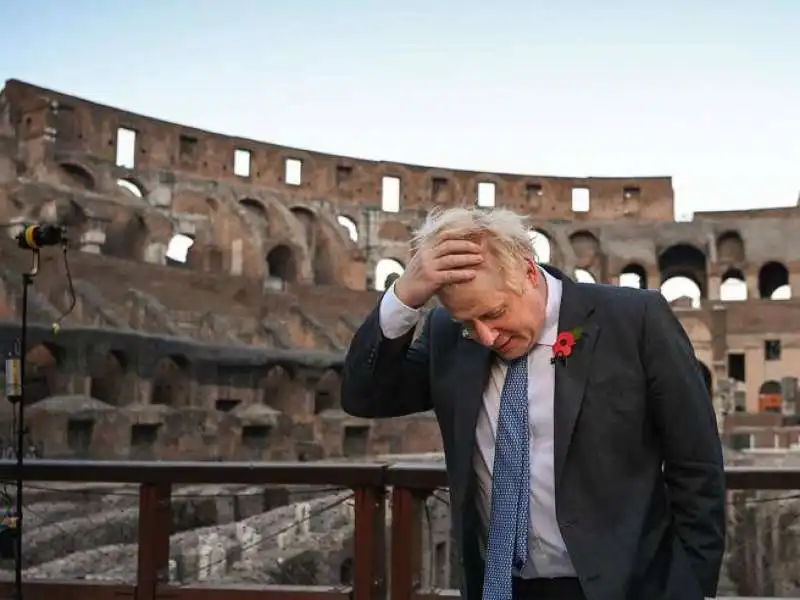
451, 258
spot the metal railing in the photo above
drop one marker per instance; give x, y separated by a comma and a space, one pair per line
401, 488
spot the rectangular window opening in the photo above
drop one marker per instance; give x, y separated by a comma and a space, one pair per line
390, 194
126, 148
355, 441
486, 194
533, 190
580, 200
772, 350
143, 440
187, 146
79, 435
741, 441
736, 366
294, 171
241, 163
255, 437
631, 192
343, 174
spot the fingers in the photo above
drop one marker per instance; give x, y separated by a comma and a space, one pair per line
459, 246
456, 261
453, 259
456, 276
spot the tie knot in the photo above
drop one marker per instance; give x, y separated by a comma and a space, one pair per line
515, 363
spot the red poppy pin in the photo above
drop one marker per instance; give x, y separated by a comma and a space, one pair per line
565, 343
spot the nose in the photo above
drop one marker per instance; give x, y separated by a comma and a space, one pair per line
486, 335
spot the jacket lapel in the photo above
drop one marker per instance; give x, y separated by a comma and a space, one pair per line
475, 362
571, 375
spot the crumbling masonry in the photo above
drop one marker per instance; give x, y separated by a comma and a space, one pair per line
233, 349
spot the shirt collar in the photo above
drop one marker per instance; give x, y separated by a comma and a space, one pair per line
552, 309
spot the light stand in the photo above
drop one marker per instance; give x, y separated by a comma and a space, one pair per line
32, 237
27, 280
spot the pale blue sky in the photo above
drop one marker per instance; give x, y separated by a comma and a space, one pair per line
706, 91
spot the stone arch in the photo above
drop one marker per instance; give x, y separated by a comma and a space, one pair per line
329, 250
542, 246
126, 237
240, 230
386, 271
284, 229
633, 275
708, 377
733, 286
282, 263
683, 273
276, 388
349, 226
257, 209
773, 281
77, 176
730, 248
107, 377
255, 216
307, 220
130, 186
171, 382
586, 248
160, 230
197, 231
42, 367
333, 252
770, 397
682, 291
327, 392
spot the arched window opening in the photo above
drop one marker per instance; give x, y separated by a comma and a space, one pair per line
386, 271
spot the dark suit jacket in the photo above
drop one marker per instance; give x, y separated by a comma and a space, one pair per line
640, 490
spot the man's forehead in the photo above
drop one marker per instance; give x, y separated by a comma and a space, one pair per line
471, 300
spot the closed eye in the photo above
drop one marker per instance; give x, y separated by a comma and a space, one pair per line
494, 315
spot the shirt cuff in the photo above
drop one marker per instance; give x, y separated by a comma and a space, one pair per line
396, 319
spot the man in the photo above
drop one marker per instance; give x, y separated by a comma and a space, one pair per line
580, 439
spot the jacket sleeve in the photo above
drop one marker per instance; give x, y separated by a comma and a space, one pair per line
385, 377
686, 424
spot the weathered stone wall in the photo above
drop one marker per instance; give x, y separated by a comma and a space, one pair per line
763, 557
236, 352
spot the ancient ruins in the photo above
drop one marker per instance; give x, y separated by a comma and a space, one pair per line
241, 342
217, 282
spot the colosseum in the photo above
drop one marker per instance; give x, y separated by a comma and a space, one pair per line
212, 285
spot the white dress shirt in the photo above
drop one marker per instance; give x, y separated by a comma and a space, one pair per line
548, 556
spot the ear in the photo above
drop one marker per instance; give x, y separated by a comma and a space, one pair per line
531, 270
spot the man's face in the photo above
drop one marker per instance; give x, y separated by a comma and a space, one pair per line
498, 317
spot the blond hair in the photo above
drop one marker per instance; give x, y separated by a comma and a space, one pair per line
505, 233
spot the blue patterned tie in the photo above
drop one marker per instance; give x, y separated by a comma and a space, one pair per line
508, 527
